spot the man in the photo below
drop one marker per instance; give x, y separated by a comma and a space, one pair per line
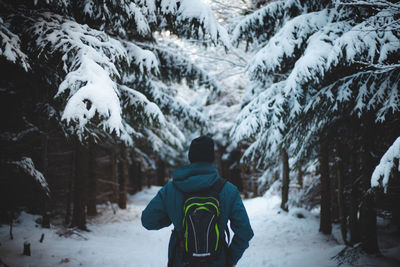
199, 175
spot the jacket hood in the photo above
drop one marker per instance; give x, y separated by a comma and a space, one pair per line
195, 176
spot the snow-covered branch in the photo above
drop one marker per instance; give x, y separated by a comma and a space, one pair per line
91, 59
287, 44
375, 3
174, 106
387, 164
387, 17
261, 121
176, 66
145, 60
108, 73
122, 17
195, 9
26, 165
10, 47
259, 26
137, 101
328, 63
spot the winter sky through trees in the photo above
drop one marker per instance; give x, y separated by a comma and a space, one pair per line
301, 96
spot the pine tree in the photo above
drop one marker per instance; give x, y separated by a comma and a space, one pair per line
97, 72
317, 66
107, 51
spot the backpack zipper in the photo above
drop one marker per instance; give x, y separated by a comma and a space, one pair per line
194, 231
208, 230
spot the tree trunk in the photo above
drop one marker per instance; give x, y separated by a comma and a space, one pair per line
69, 200
11, 218
138, 176
44, 160
70, 187
80, 187
354, 225
114, 175
369, 237
254, 184
235, 170
285, 179
134, 175
219, 163
160, 172
394, 193
300, 177
44, 156
340, 199
92, 182
123, 178
238, 178
149, 181
325, 216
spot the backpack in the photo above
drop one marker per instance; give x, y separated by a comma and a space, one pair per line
202, 239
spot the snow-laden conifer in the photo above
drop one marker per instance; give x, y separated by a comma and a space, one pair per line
388, 163
262, 123
329, 60
109, 73
259, 26
123, 17
281, 51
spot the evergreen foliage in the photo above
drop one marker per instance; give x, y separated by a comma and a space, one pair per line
325, 76
103, 68
95, 71
326, 63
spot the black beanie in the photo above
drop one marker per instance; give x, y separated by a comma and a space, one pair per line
202, 149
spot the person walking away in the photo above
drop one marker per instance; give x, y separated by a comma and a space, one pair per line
199, 203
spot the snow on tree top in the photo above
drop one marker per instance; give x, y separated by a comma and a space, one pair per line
382, 172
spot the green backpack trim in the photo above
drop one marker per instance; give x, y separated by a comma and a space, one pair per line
198, 204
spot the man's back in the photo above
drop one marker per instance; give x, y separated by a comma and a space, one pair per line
167, 205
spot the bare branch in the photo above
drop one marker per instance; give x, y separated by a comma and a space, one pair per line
376, 3
221, 59
233, 7
379, 68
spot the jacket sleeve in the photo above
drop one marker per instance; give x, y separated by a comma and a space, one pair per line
155, 216
241, 228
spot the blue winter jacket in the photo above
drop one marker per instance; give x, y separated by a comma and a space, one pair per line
166, 208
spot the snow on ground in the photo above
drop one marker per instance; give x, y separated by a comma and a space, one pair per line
281, 239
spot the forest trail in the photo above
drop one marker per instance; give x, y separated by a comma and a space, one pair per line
281, 239
284, 239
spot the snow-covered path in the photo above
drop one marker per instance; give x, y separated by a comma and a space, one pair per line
283, 239
280, 239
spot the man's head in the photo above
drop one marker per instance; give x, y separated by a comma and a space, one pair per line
202, 149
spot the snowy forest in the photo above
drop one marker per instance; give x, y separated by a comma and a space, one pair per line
100, 100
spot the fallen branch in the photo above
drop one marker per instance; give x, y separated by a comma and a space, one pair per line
41, 238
